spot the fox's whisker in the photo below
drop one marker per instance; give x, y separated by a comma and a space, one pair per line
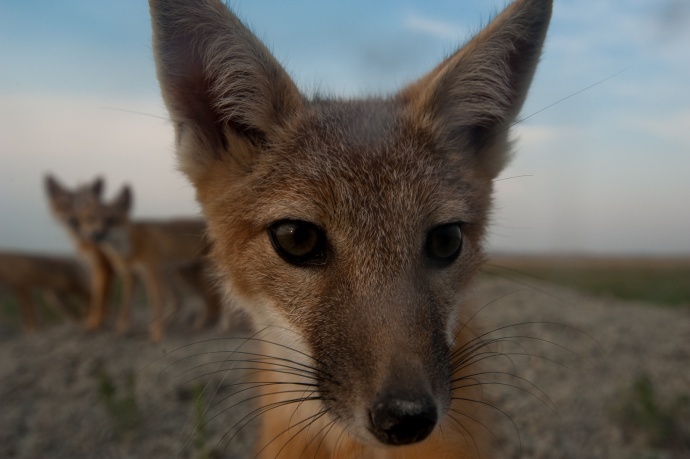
322, 433
464, 432
513, 177
571, 95
308, 421
481, 340
262, 410
481, 383
204, 421
526, 284
257, 365
479, 311
259, 359
255, 369
244, 341
493, 408
258, 397
168, 354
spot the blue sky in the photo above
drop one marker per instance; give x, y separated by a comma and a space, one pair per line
607, 169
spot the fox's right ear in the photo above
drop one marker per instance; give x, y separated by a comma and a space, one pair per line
472, 98
226, 94
123, 201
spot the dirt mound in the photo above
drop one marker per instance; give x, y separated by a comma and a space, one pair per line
577, 377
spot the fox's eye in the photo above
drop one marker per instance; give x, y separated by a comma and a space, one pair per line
298, 242
444, 243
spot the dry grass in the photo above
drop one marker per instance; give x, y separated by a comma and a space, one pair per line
663, 281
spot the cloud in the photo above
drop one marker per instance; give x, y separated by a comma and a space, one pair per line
437, 28
77, 139
671, 128
672, 18
537, 136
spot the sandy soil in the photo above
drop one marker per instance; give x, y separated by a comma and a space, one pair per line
580, 359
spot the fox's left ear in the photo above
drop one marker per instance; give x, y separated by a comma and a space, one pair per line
123, 201
226, 93
472, 97
53, 187
97, 187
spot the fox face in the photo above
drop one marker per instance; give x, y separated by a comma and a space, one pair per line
83, 213
349, 229
75, 209
387, 307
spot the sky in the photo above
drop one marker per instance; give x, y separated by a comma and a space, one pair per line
602, 158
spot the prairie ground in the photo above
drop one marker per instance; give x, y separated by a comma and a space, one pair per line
581, 375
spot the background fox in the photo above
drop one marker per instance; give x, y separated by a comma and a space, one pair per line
70, 207
154, 250
350, 229
61, 280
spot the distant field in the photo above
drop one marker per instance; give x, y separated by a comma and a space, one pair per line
656, 280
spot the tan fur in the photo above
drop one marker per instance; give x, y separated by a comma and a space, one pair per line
371, 321
155, 249
61, 280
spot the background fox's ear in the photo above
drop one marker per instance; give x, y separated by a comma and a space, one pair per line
472, 97
223, 88
97, 187
123, 201
52, 186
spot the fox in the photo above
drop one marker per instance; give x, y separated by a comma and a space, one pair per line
155, 250
350, 229
61, 280
66, 206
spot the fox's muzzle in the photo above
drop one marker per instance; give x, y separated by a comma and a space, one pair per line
392, 361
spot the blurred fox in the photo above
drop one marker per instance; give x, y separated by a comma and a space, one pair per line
61, 280
68, 207
350, 229
155, 250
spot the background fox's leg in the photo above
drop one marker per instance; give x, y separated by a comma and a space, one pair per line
212, 301
60, 302
80, 298
95, 303
175, 294
101, 282
28, 309
155, 296
195, 275
127, 294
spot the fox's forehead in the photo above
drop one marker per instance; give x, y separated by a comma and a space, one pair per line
77, 200
363, 123
84, 196
85, 202
360, 162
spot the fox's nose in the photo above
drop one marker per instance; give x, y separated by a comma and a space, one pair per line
401, 420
